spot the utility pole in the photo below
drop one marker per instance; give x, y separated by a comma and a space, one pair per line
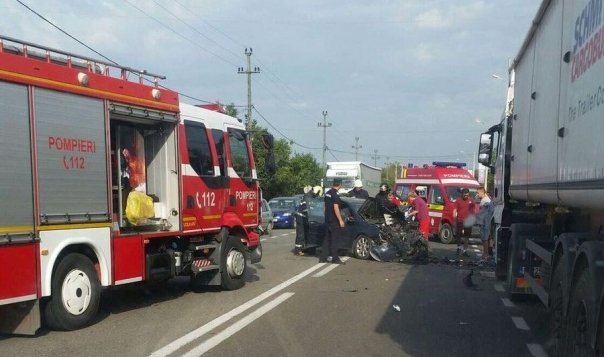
375, 157
249, 72
325, 125
356, 148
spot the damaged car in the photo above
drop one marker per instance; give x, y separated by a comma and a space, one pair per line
359, 235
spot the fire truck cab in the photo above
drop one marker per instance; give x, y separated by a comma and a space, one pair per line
439, 185
108, 180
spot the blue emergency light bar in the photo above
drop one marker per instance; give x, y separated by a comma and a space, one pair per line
447, 163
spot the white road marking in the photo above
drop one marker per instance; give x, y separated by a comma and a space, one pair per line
536, 350
195, 334
520, 323
231, 330
329, 268
507, 302
263, 239
476, 250
499, 287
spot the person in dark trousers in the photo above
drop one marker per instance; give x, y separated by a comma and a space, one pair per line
334, 223
302, 220
358, 191
464, 208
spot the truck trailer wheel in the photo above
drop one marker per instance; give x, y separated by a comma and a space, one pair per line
76, 292
445, 234
581, 309
558, 321
233, 265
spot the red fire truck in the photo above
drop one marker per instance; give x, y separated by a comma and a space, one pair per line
108, 180
439, 185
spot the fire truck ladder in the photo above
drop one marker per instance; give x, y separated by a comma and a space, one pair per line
51, 55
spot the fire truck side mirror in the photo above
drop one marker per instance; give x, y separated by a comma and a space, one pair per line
268, 141
270, 166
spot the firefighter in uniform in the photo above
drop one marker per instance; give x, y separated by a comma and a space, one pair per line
334, 222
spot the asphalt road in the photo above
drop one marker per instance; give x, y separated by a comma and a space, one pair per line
294, 306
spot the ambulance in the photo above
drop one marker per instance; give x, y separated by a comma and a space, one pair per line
439, 185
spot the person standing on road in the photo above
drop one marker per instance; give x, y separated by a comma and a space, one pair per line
334, 223
483, 219
420, 211
358, 191
302, 221
463, 208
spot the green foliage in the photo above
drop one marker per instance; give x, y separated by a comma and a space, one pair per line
294, 170
390, 172
231, 110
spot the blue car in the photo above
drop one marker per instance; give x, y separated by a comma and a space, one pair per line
284, 211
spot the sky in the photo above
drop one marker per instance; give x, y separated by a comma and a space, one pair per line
415, 81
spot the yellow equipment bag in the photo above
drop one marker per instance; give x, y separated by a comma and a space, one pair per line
139, 208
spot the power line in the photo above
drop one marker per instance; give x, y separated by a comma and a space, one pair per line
179, 34
209, 24
265, 67
66, 33
196, 44
194, 29
283, 135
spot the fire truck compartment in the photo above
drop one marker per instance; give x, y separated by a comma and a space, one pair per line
143, 158
16, 178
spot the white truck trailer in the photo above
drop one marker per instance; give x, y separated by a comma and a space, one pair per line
549, 173
349, 171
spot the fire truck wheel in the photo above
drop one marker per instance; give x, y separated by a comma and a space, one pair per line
76, 292
446, 233
361, 247
581, 310
233, 264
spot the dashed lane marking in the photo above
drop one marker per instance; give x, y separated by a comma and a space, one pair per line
231, 330
197, 333
507, 302
520, 323
536, 350
499, 287
329, 268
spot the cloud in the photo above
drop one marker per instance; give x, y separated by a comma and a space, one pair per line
424, 52
452, 16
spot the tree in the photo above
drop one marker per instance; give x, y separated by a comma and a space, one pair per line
231, 110
294, 171
389, 173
